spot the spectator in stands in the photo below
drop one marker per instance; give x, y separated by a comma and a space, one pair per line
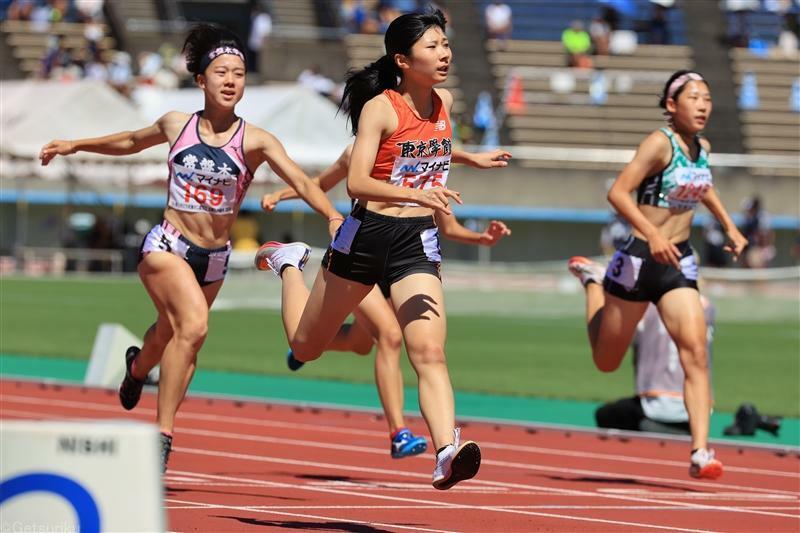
57, 56
499, 25
757, 228
659, 404
611, 17
739, 27
714, 242
600, 33
658, 26
577, 44
260, 30
89, 10
120, 73
314, 79
789, 36
386, 14
20, 9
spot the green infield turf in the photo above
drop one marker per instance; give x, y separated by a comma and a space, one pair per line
504, 342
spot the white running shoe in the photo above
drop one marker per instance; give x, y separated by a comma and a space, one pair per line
704, 465
586, 270
456, 462
276, 256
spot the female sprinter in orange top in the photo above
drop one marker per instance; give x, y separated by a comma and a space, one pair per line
398, 176
670, 174
183, 260
375, 321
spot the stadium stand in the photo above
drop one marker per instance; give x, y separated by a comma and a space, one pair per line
611, 105
29, 44
764, 76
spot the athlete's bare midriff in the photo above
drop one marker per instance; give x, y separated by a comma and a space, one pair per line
675, 225
395, 210
203, 229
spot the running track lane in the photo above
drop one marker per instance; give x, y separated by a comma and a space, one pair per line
254, 466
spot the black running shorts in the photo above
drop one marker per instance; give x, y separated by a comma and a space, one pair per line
633, 274
370, 248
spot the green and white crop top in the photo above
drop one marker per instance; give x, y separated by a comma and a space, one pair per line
682, 184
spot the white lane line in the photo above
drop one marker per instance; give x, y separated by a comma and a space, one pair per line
441, 505
306, 516
503, 464
395, 473
237, 420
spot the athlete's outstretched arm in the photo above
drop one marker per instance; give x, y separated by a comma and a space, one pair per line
453, 230
326, 181
378, 121
652, 156
272, 151
122, 143
491, 159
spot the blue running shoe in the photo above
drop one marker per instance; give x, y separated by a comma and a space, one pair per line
293, 363
406, 444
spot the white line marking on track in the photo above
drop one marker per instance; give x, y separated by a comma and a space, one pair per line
440, 505
307, 516
395, 473
382, 435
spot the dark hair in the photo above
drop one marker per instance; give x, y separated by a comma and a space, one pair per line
202, 39
363, 85
662, 103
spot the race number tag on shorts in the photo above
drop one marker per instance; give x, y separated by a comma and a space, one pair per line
420, 173
689, 267
343, 240
691, 185
198, 190
624, 269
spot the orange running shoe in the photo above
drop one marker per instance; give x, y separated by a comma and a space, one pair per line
276, 256
586, 270
704, 465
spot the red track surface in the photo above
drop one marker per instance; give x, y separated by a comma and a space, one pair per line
251, 466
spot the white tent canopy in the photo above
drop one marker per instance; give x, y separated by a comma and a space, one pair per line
35, 112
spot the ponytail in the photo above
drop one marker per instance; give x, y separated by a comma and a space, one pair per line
361, 86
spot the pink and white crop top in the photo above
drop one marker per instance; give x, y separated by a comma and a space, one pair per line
205, 178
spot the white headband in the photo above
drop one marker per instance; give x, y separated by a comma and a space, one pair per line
682, 80
220, 50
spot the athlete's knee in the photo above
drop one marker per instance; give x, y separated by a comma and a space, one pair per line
390, 340
607, 360
191, 331
304, 349
694, 357
428, 353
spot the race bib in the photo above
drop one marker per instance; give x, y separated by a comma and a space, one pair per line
624, 269
197, 190
420, 173
691, 185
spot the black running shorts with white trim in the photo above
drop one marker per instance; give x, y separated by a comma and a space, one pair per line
633, 274
369, 248
208, 265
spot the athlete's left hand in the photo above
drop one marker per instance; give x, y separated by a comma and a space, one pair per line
493, 159
494, 232
736, 243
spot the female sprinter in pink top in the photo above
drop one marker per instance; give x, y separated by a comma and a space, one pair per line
398, 176
183, 260
375, 321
